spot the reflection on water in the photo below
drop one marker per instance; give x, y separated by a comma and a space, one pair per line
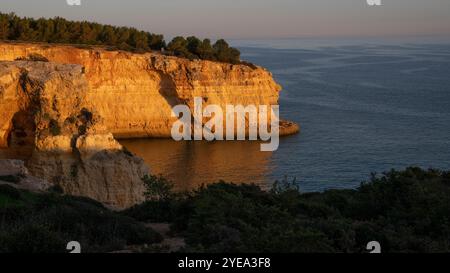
191, 164
363, 109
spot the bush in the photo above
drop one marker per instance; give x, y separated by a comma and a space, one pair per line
47, 222
152, 211
32, 239
157, 188
406, 211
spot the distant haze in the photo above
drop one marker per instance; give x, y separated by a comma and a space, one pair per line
251, 19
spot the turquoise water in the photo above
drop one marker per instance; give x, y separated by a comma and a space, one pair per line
363, 107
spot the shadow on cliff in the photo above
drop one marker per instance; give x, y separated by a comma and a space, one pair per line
168, 89
23, 130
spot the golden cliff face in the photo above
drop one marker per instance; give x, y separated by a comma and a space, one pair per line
71, 108
44, 106
134, 93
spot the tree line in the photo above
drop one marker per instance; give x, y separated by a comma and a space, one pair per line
60, 30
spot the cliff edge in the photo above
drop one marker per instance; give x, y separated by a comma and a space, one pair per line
70, 104
135, 93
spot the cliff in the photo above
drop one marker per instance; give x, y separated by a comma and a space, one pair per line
134, 93
44, 106
70, 108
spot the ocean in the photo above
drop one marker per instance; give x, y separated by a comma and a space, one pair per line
363, 106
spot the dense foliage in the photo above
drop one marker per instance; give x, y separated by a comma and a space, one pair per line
59, 30
194, 48
406, 211
31, 222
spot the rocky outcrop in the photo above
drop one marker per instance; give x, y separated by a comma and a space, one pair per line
45, 106
134, 93
14, 173
71, 108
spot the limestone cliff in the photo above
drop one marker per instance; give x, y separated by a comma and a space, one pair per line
134, 93
44, 105
71, 108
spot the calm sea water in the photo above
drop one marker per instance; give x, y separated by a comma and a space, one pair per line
363, 107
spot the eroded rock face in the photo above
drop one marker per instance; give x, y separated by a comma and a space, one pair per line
45, 105
135, 93
14, 173
71, 108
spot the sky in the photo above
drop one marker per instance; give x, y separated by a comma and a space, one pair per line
254, 19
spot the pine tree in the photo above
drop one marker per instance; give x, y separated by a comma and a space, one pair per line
140, 41
178, 47
225, 53
193, 45
4, 26
108, 36
156, 42
206, 51
60, 30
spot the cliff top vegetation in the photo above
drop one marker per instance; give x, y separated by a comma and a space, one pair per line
60, 30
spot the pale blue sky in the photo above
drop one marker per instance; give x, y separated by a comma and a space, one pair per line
253, 19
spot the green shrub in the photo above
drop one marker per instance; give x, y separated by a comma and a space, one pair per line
32, 239
406, 211
46, 222
152, 211
157, 187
